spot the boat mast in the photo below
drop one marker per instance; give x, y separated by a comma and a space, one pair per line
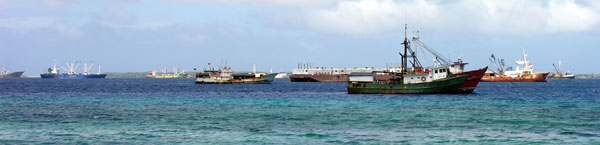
404, 57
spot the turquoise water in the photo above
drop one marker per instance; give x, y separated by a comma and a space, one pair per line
166, 111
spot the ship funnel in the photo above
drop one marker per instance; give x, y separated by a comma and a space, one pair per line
253, 68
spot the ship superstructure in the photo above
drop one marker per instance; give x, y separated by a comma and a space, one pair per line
54, 72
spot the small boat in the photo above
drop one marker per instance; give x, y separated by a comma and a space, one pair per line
559, 74
281, 74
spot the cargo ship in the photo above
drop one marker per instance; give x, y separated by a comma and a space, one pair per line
55, 73
224, 75
7, 74
559, 74
166, 75
416, 80
523, 72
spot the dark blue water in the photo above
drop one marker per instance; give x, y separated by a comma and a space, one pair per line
166, 111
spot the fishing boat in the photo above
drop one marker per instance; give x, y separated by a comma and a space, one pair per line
71, 74
8, 74
559, 74
523, 72
456, 67
224, 75
416, 80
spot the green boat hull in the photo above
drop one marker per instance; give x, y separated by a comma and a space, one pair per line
449, 85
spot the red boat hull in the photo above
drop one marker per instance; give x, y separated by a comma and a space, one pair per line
471, 82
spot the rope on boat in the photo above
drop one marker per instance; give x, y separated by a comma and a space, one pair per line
525, 90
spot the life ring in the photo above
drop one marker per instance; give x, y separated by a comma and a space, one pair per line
423, 78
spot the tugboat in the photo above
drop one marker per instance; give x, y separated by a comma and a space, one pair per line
415, 80
7, 74
224, 75
523, 72
559, 74
55, 73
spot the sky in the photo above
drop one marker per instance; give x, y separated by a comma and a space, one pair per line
142, 35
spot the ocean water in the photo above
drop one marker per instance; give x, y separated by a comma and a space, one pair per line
169, 111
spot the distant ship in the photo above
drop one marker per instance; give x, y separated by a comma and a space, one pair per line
166, 75
224, 75
7, 74
523, 72
307, 73
559, 74
55, 73
281, 74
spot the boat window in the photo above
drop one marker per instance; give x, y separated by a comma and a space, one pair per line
436, 71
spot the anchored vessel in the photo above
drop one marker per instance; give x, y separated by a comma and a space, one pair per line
55, 73
281, 75
224, 75
308, 73
7, 74
166, 75
559, 74
416, 80
523, 72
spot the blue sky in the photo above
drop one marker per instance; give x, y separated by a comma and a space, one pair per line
139, 35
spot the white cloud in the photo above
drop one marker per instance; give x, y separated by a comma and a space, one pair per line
568, 16
26, 24
366, 16
505, 17
258, 2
